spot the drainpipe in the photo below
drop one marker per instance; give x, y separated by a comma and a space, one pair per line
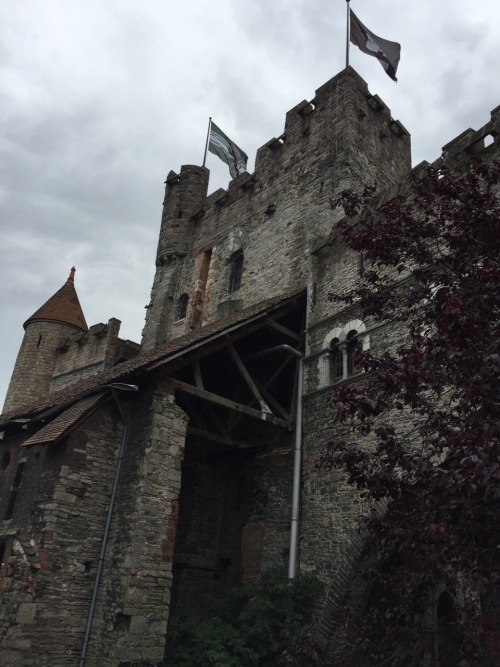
114, 388
297, 468
297, 462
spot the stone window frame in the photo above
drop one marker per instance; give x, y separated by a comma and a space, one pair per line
182, 307
341, 336
236, 265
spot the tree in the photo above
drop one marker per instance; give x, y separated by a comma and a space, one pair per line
424, 420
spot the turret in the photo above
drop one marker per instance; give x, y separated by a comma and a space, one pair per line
185, 194
45, 332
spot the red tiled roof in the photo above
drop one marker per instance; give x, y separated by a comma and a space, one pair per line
59, 426
63, 306
142, 362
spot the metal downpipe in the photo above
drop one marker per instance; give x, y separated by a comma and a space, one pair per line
297, 462
297, 468
109, 517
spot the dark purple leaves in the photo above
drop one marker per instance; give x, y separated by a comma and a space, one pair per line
432, 265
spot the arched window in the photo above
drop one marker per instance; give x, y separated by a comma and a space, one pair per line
182, 305
354, 348
341, 356
336, 361
235, 271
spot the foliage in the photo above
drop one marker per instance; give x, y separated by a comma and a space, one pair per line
260, 626
428, 412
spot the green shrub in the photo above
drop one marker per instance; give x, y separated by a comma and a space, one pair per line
261, 626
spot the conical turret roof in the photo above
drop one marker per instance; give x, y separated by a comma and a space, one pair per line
63, 307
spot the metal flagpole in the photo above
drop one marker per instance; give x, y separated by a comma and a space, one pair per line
348, 36
206, 144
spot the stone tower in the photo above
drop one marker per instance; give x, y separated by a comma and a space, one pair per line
185, 194
45, 331
344, 137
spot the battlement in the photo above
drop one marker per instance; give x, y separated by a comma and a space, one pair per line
472, 143
86, 353
342, 110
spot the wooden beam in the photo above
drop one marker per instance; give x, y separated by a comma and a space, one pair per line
275, 375
284, 330
279, 370
246, 376
277, 407
227, 403
215, 437
216, 341
214, 417
205, 346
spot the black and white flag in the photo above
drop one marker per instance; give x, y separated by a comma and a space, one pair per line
387, 53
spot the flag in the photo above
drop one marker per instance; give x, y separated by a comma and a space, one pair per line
227, 151
386, 52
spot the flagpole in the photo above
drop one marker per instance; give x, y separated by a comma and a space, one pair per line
206, 143
347, 36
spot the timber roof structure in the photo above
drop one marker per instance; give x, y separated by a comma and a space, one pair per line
233, 369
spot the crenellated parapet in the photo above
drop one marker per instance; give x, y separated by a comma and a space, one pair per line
344, 125
87, 353
472, 143
342, 121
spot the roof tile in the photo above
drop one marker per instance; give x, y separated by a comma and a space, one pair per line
63, 306
59, 426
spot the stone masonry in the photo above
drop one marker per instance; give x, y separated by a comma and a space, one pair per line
123, 500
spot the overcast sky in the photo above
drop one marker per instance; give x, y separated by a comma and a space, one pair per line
99, 99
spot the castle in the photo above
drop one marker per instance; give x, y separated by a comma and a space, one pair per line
139, 481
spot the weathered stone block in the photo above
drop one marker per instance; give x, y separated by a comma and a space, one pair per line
26, 612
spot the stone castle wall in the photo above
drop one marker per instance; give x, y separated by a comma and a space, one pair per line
86, 353
207, 525
56, 531
344, 137
59, 514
